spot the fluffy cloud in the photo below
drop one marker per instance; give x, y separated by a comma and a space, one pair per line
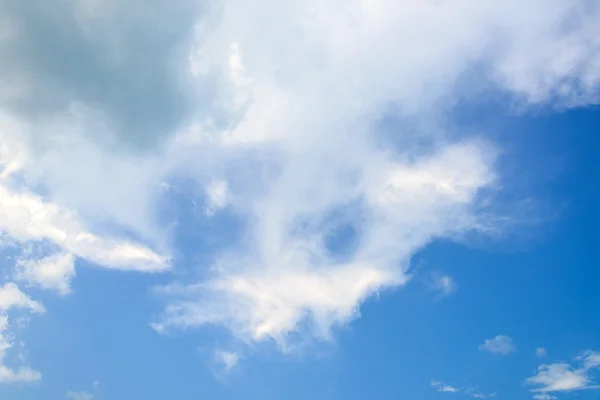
565, 377
282, 118
500, 344
308, 98
54, 272
11, 297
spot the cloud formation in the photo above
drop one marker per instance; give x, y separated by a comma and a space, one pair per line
566, 377
440, 387
471, 392
310, 99
79, 396
11, 297
541, 352
501, 344
318, 126
444, 284
53, 272
226, 359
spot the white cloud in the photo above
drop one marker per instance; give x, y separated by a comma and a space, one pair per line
445, 284
440, 387
589, 358
471, 392
500, 344
216, 194
564, 377
11, 297
271, 305
226, 359
544, 396
7, 374
290, 118
26, 217
559, 377
54, 272
79, 395
305, 101
541, 352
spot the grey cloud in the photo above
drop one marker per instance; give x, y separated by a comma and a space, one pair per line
116, 57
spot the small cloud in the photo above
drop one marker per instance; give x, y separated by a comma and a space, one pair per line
444, 284
217, 195
541, 352
79, 395
12, 297
226, 359
440, 387
564, 377
54, 272
544, 396
470, 391
483, 396
589, 358
96, 384
500, 344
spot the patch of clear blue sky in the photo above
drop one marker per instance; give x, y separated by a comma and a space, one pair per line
539, 286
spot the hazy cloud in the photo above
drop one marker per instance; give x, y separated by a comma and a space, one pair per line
500, 344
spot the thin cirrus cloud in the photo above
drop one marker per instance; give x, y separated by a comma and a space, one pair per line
500, 344
279, 126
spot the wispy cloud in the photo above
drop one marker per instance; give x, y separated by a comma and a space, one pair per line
226, 359
500, 344
216, 193
544, 396
471, 392
440, 387
541, 352
11, 297
444, 284
566, 377
79, 396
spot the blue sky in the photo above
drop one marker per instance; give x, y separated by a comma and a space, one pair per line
303, 199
